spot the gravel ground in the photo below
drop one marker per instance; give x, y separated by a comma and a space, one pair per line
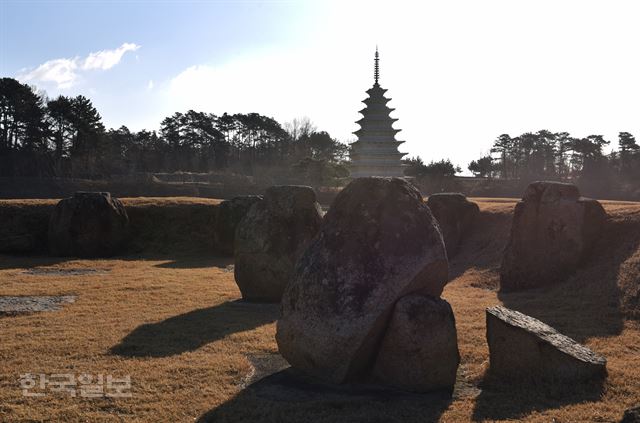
31, 304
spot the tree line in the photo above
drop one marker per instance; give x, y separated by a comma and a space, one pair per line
65, 137
560, 156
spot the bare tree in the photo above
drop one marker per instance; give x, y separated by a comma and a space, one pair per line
300, 127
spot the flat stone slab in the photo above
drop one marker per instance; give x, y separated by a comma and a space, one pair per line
10, 306
522, 346
45, 271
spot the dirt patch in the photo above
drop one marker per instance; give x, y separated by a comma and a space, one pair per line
11, 306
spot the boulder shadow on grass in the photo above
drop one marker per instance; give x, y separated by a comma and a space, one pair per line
195, 329
513, 400
288, 396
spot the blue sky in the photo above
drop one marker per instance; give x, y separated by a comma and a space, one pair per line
173, 33
460, 72
170, 36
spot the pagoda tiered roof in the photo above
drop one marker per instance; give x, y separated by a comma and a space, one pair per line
375, 153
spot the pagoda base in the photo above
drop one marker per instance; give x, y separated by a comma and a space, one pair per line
384, 171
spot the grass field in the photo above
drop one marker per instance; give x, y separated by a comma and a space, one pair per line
174, 325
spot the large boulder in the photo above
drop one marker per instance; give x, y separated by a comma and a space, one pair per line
89, 224
229, 215
18, 244
455, 215
553, 229
271, 237
378, 242
631, 415
521, 347
419, 351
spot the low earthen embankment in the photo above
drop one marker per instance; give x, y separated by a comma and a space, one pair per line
157, 225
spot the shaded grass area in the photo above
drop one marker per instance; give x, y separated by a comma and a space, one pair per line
192, 330
286, 396
501, 400
597, 298
175, 325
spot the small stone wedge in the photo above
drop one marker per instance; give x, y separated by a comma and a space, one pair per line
521, 346
419, 351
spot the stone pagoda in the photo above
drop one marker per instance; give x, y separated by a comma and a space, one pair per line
375, 153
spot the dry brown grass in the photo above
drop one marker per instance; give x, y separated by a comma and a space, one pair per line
172, 324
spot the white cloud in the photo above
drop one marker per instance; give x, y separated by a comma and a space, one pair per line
60, 71
150, 85
65, 72
106, 59
280, 84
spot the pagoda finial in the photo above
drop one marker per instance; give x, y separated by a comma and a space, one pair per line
376, 67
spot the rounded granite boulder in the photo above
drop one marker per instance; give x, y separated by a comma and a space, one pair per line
378, 242
89, 224
271, 237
